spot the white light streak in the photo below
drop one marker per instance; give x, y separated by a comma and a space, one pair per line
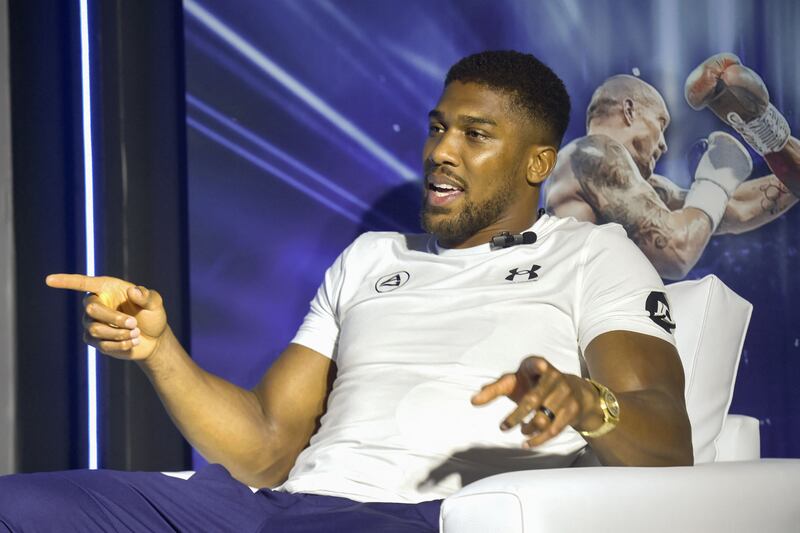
88, 179
280, 75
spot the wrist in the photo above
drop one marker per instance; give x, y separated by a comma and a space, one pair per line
607, 402
710, 198
160, 350
591, 415
767, 133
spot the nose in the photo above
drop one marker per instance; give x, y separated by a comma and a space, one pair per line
442, 149
662, 144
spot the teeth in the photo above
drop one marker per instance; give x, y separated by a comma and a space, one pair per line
444, 187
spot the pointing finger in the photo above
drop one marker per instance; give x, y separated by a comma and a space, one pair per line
502, 387
75, 282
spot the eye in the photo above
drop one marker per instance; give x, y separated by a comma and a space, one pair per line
476, 135
434, 129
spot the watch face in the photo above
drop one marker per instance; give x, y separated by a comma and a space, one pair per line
612, 404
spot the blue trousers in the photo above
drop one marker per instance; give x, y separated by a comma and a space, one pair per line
211, 501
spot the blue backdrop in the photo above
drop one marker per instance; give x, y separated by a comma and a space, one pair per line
306, 122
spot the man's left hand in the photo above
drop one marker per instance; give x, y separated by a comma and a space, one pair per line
556, 399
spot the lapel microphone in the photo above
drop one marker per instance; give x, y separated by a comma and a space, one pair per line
506, 239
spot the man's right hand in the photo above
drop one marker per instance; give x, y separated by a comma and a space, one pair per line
121, 319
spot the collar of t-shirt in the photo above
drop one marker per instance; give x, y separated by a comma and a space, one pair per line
484, 248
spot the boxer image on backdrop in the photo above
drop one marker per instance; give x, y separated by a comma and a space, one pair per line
416, 349
608, 176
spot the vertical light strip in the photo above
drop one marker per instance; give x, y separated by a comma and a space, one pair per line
88, 179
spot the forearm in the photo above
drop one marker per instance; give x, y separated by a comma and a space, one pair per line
653, 430
225, 423
786, 165
756, 202
675, 241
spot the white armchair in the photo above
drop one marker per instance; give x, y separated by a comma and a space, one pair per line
729, 490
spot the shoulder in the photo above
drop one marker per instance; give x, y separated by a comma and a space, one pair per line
377, 242
592, 145
593, 239
600, 160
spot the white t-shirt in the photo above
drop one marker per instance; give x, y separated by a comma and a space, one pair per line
416, 330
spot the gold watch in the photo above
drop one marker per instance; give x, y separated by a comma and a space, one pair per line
610, 407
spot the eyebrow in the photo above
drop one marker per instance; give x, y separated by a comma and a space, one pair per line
466, 119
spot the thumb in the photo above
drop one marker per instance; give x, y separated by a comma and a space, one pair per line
144, 297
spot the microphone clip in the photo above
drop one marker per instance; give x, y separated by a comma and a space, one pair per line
505, 239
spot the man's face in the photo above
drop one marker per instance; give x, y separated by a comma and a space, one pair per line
646, 141
474, 163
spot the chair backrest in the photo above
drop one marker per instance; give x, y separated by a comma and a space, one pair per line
711, 323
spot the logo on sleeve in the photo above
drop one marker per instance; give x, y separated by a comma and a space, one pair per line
391, 282
658, 308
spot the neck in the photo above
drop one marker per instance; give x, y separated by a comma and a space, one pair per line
520, 218
604, 128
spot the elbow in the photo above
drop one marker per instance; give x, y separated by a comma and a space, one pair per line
674, 266
681, 456
676, 259
681, 452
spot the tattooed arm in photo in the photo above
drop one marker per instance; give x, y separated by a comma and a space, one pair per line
756, 202
673, 239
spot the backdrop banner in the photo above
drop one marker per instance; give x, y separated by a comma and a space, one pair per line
306, 122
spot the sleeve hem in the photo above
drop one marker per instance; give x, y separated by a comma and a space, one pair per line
624, 324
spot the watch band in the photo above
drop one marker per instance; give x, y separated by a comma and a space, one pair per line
610, 407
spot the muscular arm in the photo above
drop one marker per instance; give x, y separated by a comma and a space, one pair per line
672, 240
755, 202
647, 378
759, 201
256, 434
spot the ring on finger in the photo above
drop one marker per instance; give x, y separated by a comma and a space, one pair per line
548, 413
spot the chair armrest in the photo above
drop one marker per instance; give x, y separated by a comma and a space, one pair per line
730, 497
740, 439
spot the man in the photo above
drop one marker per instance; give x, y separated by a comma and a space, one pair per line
607, 176
379, 398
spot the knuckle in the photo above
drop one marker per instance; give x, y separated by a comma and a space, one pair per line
532, 400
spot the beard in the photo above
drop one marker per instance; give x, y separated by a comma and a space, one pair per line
469, 220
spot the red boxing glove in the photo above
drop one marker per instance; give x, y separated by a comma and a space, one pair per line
739, 97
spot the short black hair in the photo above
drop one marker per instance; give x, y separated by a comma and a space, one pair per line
534, 87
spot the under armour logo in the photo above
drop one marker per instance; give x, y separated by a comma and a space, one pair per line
392, 281
658, 308
530, 273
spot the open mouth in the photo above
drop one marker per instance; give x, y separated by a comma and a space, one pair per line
443, 193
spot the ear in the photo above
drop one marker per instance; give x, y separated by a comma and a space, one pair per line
541, 162
628, 111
